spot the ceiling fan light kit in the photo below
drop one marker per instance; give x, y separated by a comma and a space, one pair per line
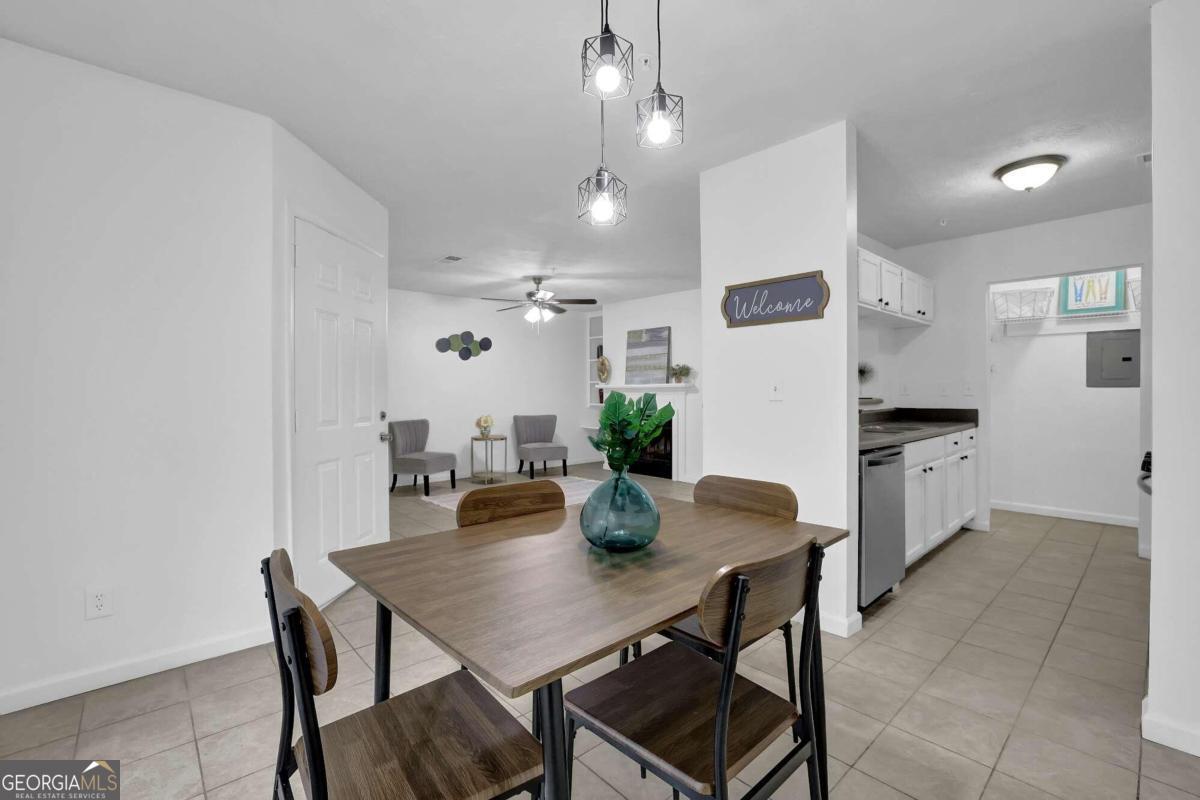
540, 304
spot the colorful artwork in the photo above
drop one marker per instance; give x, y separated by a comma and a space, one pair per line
464, 344
647, 355
1092, 292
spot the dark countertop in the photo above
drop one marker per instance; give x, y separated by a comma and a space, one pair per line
933, 422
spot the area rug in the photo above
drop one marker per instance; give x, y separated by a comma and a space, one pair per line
576, 490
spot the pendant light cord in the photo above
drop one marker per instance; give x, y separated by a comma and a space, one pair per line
602, 134
658, 24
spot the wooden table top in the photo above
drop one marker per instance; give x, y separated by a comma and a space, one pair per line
525, 601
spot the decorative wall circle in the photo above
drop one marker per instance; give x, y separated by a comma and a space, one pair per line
464, 344
443, 345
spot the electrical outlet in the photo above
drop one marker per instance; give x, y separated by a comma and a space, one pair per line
98, 602
775, 393
968, 389
904, 389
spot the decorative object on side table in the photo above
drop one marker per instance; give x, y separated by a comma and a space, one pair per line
484, 424
620, 515
681, 372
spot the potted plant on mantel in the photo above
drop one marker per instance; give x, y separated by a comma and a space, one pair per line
619, 515
680, 372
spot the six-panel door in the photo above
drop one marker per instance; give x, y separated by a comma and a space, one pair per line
340, 466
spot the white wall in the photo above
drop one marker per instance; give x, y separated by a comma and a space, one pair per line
791, 208
946, 365
136, 345
1172, 708
680, 311
523, 373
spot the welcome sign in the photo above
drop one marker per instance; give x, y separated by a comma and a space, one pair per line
790, 298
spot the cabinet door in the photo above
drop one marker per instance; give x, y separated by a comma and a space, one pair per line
910, 294
954, 483
970, 486
914, 514
935, 502
926, 308
890, 280
868, 279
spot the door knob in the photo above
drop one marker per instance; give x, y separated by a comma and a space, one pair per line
385, 437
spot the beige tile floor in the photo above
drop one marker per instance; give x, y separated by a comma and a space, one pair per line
1009, 665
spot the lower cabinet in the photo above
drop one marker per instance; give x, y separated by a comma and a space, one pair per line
939, 495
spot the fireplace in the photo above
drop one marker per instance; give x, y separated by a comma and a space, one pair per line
656, 459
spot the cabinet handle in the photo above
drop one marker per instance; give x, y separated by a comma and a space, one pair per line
886, 303
880, 300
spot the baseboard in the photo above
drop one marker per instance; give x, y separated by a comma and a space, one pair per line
1066, 513
844, 627
72, 683
1170, 733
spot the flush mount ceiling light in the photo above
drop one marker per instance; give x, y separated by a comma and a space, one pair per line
660, 116
602, 194
607, 62
1029, 173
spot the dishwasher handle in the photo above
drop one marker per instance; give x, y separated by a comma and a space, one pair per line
883, 458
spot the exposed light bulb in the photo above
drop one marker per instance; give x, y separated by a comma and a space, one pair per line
658, 130
533, 314
602, 208
607, 79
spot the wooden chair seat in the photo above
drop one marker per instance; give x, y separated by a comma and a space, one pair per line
446, 740
663, 705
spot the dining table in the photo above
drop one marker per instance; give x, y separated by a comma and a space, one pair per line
524, 602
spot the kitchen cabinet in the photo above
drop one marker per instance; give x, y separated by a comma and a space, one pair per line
891, 294
891, 277
970, 487
914, 514
935, 504
940, 491
954, 498
869, 286
925, 295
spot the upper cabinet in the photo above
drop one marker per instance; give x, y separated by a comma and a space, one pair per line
893, 294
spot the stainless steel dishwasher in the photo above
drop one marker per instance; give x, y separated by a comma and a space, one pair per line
880, 522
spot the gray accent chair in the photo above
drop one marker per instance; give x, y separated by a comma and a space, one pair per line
535, 441
409, 437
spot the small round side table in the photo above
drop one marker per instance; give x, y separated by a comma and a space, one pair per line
489, 474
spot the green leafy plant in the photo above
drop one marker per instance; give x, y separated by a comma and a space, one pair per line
627, 427
680, 371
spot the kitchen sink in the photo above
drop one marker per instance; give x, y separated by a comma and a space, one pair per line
890, 427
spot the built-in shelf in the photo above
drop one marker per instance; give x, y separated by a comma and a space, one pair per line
595, 345
629, 388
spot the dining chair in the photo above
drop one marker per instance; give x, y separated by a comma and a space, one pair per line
409, 437
506, 501
535, 441
446, 740
739, 494
695, 722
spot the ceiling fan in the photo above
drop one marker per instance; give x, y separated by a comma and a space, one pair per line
542, 304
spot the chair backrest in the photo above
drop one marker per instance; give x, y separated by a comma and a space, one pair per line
535, 427
509, 500
409, 436
743, 494
778, 590
318, 641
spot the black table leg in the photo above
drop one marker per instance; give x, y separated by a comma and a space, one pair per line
818, 692
383, 652
554, 742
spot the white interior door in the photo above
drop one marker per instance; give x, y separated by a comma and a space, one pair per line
340, 468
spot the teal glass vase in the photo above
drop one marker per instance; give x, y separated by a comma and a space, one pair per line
619, 516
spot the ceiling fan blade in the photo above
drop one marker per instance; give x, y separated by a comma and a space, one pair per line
504, 299
585, 302
553, 308
510, 308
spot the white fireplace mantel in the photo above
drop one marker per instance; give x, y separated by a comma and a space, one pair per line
685, 426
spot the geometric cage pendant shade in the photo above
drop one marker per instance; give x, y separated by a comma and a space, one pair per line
660, 120
607, 65
602, 199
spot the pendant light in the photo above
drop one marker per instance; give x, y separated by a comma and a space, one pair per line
660, 116
602, 195
607, 62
